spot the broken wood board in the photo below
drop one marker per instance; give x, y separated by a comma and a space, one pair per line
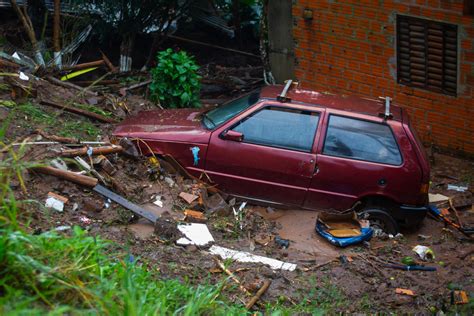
437, 198
189, 198
194, 234
246, 257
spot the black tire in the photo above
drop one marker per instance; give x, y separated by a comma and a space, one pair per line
380, 218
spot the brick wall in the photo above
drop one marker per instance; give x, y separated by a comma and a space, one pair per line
349, 47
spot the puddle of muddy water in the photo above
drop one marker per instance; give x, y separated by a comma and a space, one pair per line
298, 227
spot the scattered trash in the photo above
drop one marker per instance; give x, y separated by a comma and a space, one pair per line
437, 198
194, 234
169, 181
434, 211
263, 240
404, 291
189, 198
241, 256
459, 297
424, 252
23, 76
62, 228
59, 163
409, 261
423, 237
75, 206
283, 243
158, 202
459, 188
194, 216
85, 220
343, 230
56, 201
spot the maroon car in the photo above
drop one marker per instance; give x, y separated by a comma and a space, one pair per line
300, 149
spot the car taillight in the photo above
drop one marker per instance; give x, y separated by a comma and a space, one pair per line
424, 188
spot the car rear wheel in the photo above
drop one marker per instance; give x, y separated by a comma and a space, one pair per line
380, 219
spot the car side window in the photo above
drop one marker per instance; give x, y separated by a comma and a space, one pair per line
361, 140
280, 127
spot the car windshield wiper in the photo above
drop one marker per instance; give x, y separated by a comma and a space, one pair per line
210, 120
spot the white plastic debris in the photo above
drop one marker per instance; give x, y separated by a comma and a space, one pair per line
169, 181
85, 220
459, 188
241, 256
194, 234
23, 76
16, 56
62, 228
55, 202
158, 202
424, 252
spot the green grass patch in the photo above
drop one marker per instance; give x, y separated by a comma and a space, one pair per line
93, 109
75, 128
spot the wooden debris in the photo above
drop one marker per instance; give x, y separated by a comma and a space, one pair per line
108, 63
82, 112
232, 276
123, 91
70, 85
189, 198
259, 294
59, 139
91, 64
404, 291
68, 175
6, 63
194, 216
103, 150
459, 297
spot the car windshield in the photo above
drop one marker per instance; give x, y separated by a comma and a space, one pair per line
228, 110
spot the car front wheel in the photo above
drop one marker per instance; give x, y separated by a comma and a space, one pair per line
380, 219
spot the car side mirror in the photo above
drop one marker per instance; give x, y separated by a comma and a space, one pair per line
233, 135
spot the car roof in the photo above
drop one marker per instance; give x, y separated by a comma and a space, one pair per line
348, 103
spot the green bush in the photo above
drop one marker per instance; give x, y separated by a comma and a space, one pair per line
175, 80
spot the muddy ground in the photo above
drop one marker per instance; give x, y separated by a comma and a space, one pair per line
357, 281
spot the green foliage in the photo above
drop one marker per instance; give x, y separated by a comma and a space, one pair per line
175, 80
74, 128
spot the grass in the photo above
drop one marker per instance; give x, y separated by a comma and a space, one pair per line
70, 127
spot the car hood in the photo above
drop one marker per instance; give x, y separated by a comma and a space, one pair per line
182, 125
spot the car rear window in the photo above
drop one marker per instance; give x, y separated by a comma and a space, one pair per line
361, 140
280, 127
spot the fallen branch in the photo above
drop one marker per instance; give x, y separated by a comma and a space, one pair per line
123, 91
68, 175
59, 139
108, 63
82, 112
70, 86
232, 276
91, 64
257, 296
104, 150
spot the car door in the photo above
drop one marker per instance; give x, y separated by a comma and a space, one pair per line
273, 161
358, 157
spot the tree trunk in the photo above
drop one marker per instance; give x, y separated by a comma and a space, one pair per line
26, 21
126, 48
56, 30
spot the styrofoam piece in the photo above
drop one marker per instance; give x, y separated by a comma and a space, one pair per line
241, 256
195, 234
54, 203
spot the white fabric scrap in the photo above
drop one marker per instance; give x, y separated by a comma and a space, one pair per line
195, 234
241, 256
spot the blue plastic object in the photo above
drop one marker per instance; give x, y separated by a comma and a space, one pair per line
366, 234
195, 151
